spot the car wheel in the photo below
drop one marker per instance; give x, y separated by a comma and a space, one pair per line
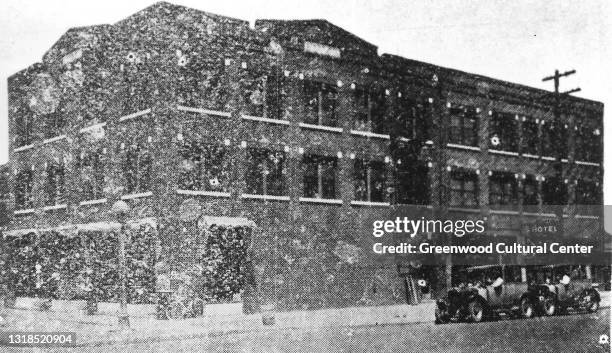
549, 306
441, 317
475, 311
593, 306
526, 308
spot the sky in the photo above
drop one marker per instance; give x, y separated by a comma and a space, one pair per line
515, 40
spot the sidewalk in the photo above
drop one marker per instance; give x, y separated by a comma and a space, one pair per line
100, 330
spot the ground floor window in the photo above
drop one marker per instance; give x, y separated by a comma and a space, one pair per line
464, 188
320, 176
502, 189
23, 189
369, 181
137, 169
55, 184
203, 167
266, 172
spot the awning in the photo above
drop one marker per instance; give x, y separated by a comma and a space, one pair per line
91, 227
206, 221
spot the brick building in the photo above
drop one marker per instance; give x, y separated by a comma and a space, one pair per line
297, 127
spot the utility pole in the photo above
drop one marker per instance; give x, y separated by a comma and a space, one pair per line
558, 164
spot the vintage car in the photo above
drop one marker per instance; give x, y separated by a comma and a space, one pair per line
567, 287
485, 291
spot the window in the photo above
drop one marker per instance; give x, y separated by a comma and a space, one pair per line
554, 139
92, 171
23, 189
137, 169
412, 183
203, 167
588, 144
254, 96
55, 184
502, 189
266, 172
320, 103
202, 82
55, 122
275, 96
463, 128
369, 111
588, 193
138, 84
531, 194
369, 181
531, 140
320, 177
503, 132
464, 188
412, 119
23, 129
554, 192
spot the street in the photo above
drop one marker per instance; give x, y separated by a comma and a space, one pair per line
570, 333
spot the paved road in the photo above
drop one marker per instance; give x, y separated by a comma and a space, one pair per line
570, 333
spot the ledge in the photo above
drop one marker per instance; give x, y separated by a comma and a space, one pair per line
324, 201
204, 111
463, 147
92, 127
506, 212
24, 211
467, 210
53, 139
506, 153
265, 197
527, 155
135, 115
370, 134
583, 216
264, 120
138, 195
370, 203
321, 127
92, 202
546, 158
55, 207
203, 193
592, 164
23, 148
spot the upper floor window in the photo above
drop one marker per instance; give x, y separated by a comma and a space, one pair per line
139, 87
554, 192
463, 126
203, 167
412, 183
23, 129
502, 189
55, 184
55, 122
92, 171
137, 169
531, 194
369, 181
23, 189
588, 146
320, 103
503, 132
531, 140
320, 177
266, 172
464, 188
369, 110
254, 96
554, 139
202, 81
412, 119
588, 192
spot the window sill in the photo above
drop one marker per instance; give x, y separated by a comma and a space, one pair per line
53, 139
506, 212
203, 193
24, 211
463, 147
507, 153
321, 127
581, 216
265, 197
370, 203
548, 158
467, 210
92, 202
136, 196
205, 111
265, 120
55, 207
587, 163
23, 148
92, 127
317, 200
135, 115
370, 134
527, 155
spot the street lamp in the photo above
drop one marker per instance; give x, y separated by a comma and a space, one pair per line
121, 209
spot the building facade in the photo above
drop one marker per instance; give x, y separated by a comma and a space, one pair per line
297, 129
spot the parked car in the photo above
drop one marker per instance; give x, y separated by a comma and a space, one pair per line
567, 287
485, 291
